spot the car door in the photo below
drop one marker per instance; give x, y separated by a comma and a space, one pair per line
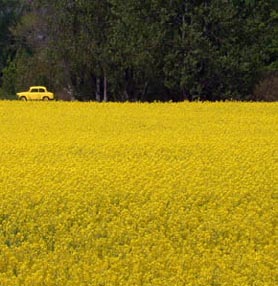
42, 93
34, 93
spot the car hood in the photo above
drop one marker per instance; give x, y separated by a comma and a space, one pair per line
21, 93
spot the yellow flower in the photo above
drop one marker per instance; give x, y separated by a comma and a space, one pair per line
138, 194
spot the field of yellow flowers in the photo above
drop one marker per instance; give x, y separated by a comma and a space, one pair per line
138, 194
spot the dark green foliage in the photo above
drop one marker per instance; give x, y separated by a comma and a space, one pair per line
10, 11
139, 50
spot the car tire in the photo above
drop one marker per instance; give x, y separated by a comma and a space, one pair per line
23, 98
45, 98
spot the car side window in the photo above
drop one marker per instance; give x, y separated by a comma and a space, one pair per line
41, 90
34, 90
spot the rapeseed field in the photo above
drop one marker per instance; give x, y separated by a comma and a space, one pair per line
138, 194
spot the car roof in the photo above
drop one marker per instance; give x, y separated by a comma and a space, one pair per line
38, 87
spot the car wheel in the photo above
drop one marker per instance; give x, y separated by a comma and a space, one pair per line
45, 98
23, 98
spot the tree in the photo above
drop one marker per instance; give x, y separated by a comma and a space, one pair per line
219, 48
141, 50
9, 15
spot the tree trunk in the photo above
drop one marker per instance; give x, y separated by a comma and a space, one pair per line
145, 90
98, 89
105, 89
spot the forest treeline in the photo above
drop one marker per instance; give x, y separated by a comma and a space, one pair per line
140, 50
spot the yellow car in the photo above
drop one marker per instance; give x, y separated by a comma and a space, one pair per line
35, 93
